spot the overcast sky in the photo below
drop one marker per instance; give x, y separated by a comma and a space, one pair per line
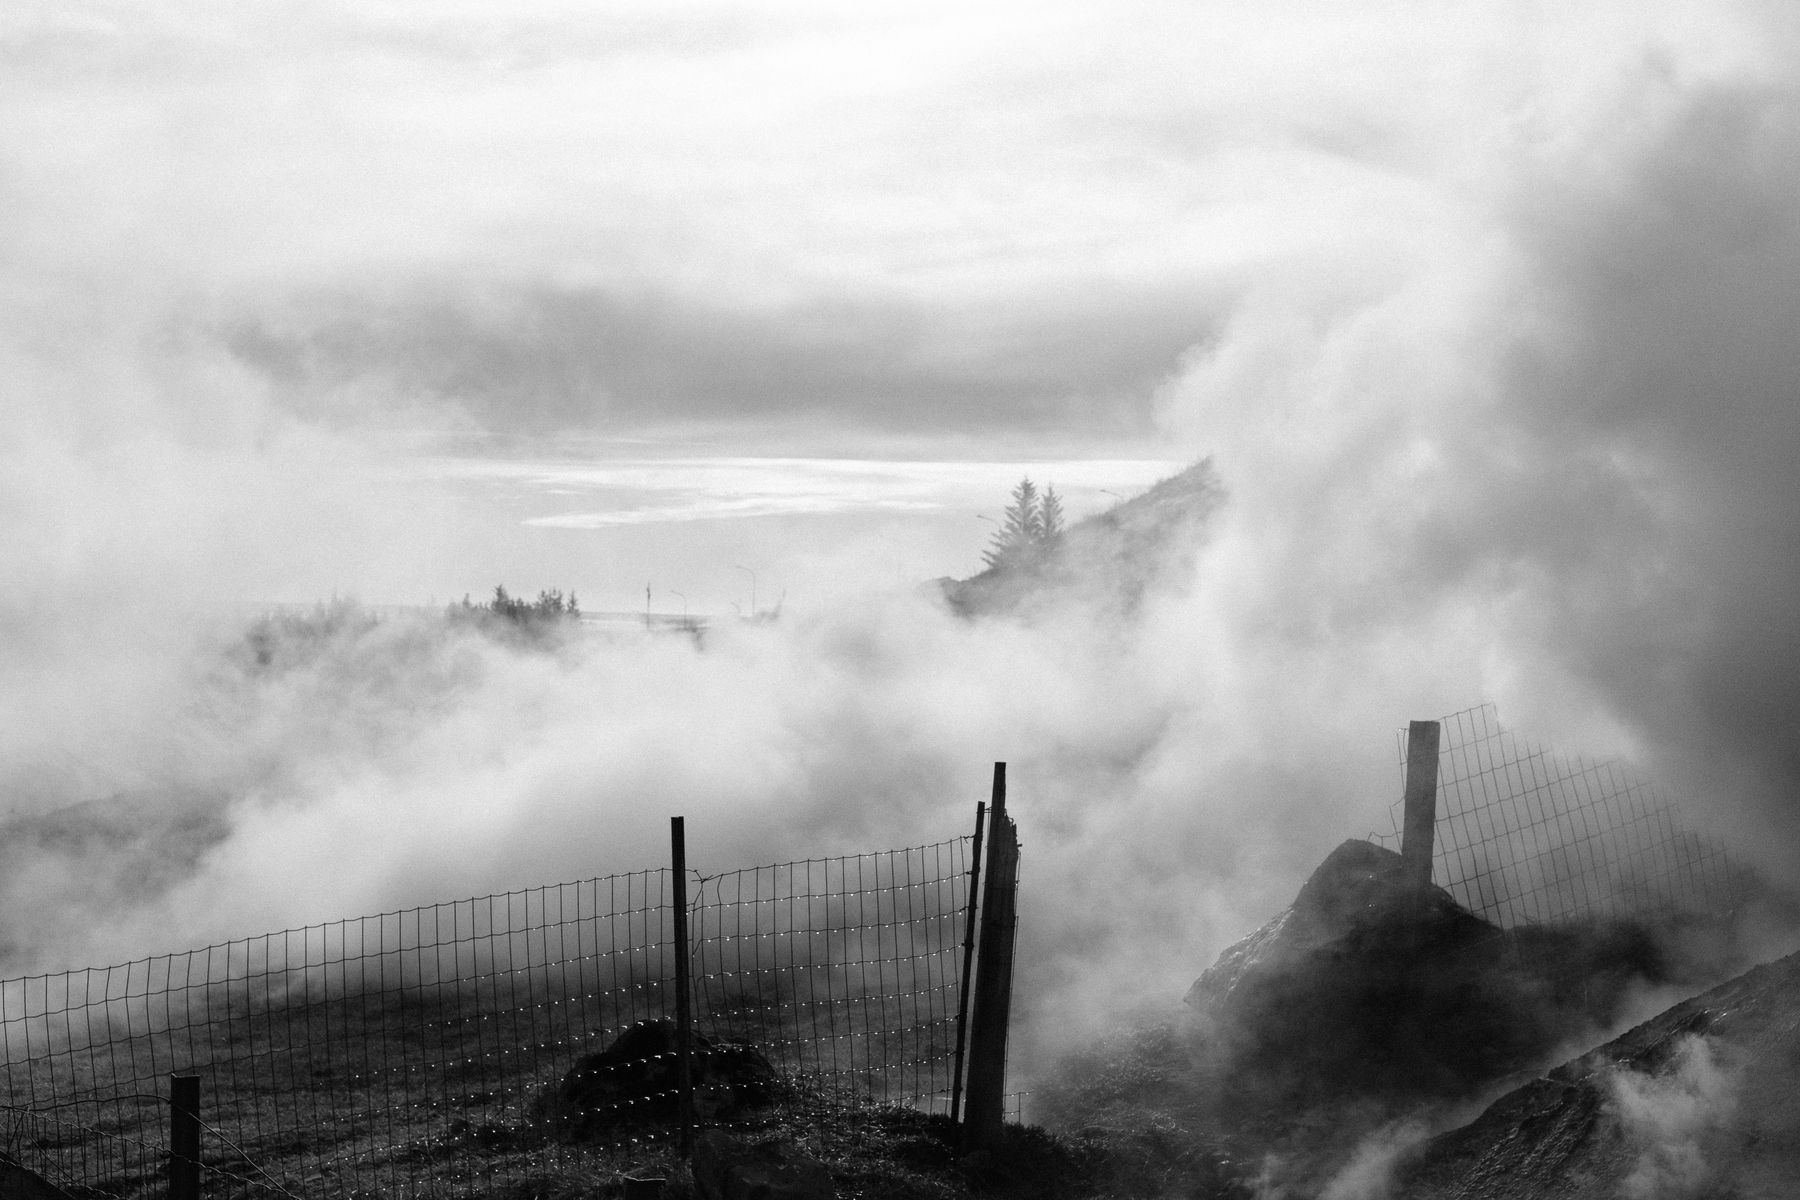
243, 240
1485, 311
780, 222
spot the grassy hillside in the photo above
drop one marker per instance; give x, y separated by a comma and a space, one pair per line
1112, 559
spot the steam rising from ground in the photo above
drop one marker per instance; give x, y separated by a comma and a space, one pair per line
1502, 396
1369, 1173
1668, 1118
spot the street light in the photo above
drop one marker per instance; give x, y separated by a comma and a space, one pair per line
683, 596
752, 575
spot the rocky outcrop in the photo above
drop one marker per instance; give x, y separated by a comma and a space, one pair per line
1366, 984
1370, 985
1372, 1005
1359, 898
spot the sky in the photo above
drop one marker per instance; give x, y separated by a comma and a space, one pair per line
1483, 314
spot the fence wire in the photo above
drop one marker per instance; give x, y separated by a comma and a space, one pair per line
431, 1049
843, 970
1525, 836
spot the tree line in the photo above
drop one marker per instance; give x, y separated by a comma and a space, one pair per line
550, 608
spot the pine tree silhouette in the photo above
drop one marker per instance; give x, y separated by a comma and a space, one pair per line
1050, 517
1033, 523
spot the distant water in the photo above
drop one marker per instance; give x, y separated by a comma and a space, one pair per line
573, 493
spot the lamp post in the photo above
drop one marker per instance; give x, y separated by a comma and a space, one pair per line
752, 575
684, 616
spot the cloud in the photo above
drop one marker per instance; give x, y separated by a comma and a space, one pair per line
1082, 359
1480, 312
1564, 417
544, 218
1669, 370
639, 491
1669, 1118
1368, 1175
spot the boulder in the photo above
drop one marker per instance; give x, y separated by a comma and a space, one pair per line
636, 1080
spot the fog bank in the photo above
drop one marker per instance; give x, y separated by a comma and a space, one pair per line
1485, 321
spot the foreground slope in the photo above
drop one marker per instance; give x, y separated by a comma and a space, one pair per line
1702, 1100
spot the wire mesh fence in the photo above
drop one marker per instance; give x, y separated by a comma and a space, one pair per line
843, 970
1526, 836
432, 1049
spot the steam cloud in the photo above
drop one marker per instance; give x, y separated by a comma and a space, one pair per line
1499, 376
1369, 1173
1667, 1119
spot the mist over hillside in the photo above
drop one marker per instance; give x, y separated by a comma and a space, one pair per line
1109, 561
1482, 318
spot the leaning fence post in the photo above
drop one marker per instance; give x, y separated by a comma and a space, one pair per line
184, 1137
985, 1114
684, 1016
968, 968
1417, 833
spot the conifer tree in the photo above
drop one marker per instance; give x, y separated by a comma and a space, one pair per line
1022, 534
1050, 517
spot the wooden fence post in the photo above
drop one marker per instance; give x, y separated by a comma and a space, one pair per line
968, 968
184, 1137
1418, 832
986, 1112
684, 1014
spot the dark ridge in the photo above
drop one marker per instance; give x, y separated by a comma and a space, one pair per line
1113, 558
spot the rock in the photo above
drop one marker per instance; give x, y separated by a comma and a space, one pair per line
1371, 986
729, 1168
1367, 984
636, 1080
1360, 891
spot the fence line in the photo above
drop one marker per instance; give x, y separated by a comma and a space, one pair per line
1527, 836
845, 970
374, 1053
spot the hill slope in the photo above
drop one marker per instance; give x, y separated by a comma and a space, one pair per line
1698, 1101
1112, 558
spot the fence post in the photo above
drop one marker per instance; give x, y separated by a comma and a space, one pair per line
1417, 833
684, 1015
986, 1111
968, 967
184, 1137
